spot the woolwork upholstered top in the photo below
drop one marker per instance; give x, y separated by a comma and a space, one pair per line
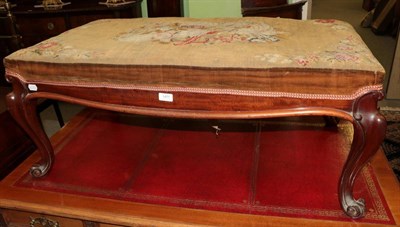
322, 59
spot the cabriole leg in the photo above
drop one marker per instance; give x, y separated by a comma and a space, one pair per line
369, 132
24, 112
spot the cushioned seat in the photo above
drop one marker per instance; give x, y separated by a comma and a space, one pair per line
323, 59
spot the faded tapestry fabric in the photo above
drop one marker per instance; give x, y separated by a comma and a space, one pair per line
266, 54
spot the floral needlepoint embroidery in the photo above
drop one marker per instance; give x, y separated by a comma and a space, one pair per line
259, 43
201, 33
306, 60
43, 48
345, 57
56, 49
348, 49
47, 45
332, 23
325, 21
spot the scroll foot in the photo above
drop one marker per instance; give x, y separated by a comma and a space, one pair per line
39, 170
356, 209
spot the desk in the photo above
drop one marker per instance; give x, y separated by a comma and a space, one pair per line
244, 68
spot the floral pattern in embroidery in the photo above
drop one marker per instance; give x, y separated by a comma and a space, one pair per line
347, 50
325, 21
247, 43
306, 60
334, 24
202, 33
345, 57
57, 50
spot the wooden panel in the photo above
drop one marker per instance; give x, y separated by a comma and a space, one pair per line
49, 25
368, 4
7, 43
3, 53
162, 8
79, 18
15, 145
22, 219
393, 91
108, 225
293, 11
96, 224
262, 3
37, 28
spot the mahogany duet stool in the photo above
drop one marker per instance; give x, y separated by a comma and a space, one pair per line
237, 68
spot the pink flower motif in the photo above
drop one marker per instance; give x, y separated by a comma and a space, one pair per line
345, 47
303, 62
306, 60
345, 57
47, 45
326, 21
350, 38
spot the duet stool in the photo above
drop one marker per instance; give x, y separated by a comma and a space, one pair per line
237, 68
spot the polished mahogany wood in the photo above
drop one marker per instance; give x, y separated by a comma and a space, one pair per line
162, 8
15, 145
25, 113
293, 11
262, 3
369, 131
